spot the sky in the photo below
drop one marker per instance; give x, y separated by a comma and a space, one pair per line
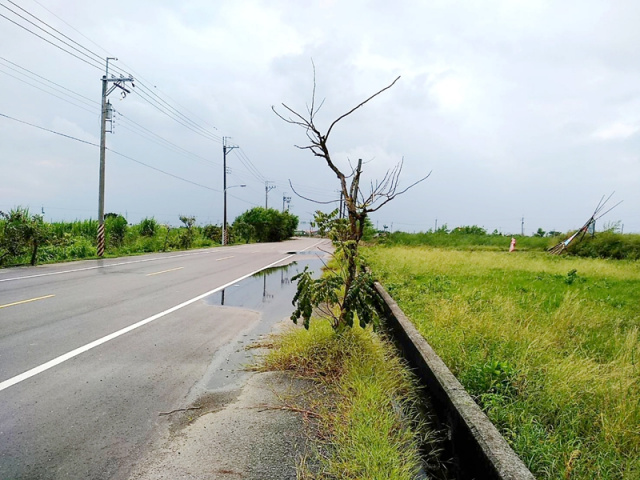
525, 113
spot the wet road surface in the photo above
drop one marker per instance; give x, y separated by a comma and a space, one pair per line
92, 352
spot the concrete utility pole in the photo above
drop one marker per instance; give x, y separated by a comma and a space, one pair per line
106, 115
522, 227
267, 189
225, 148
287, 200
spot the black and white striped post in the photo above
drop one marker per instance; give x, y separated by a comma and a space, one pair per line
101, 239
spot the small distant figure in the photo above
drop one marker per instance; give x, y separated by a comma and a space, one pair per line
512, 248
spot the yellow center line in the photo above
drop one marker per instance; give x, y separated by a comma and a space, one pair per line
224, 258
164, 271
26, 301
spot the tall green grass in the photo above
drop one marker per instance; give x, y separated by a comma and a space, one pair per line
366, 436
547, 345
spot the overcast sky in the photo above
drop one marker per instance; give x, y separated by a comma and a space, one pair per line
518, 108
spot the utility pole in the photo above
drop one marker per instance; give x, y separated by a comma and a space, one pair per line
225, 148
286, 200
522, 227
106, 115
267, 189
436, 227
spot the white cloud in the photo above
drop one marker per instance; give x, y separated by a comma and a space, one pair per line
617, 131
451, 92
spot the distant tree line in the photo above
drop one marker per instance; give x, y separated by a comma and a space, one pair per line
26, 238
607, 244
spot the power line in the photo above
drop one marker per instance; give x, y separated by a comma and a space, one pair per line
47, 80
116, 153
251, 168
48, 130
66, 97
163, 171
158, 140
178, 113
158, 102
155, 104
49, 93
72, 27
48, 41
55, 30
87, 101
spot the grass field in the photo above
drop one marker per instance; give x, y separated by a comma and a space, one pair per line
548, 346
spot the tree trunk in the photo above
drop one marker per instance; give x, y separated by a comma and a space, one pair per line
34, 254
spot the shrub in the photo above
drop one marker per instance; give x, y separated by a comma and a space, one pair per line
116, 229
212, 232
265, 225
608, 245
148, 227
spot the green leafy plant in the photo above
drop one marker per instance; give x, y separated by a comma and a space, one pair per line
21, 233
571, 276
329, 293
187, 235
116, 228
148, 227
212, 232
265, 225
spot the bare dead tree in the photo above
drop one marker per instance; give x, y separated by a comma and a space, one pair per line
358, 204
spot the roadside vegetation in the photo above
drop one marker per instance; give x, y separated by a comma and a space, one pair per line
366, 416
547, 345
607, 244
26, 238
365, 431
469, 237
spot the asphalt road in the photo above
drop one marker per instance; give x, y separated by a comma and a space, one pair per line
91, 352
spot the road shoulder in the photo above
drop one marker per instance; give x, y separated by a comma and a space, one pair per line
253, 437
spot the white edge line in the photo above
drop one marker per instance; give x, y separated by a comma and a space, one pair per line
205, 252
74, 353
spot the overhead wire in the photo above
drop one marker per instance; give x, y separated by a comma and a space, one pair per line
49, 93
117, 69
161, 104
251, 168
71, 26
180, 114
89, 100
93, 59
96, 105
52, 35
162, 139
158, 106
56, 30
71, 137
49, 130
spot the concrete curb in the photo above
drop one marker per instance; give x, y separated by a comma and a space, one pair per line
477, 446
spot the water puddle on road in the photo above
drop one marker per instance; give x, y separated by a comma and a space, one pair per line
269, 292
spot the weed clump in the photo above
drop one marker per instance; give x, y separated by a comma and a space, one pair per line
368, 427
